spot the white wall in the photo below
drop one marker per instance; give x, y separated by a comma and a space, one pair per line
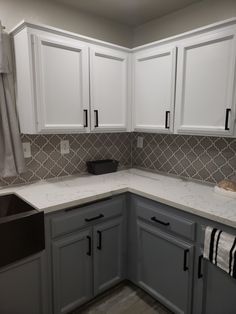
65, 17
196, 15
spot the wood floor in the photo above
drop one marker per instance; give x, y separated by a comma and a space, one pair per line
124, 299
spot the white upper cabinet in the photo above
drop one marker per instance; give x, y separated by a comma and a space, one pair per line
70, 83
52, 83
109, 89
62, 90
205, 84
154, 89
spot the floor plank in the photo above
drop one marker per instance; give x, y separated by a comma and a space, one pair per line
124, 299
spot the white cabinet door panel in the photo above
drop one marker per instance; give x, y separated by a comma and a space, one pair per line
108, 88
62, 85
154, 90
205, 84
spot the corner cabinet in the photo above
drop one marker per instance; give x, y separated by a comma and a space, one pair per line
154, 89
64, 83
161, 253
205, 93
109, 89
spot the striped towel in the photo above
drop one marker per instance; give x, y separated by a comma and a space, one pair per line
220, 249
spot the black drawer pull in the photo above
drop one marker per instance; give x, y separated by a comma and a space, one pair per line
96, 118
86, 118
199, 272
227, 119
185, 268
167, 120
160, 222
99, 246
89, 253
94, 218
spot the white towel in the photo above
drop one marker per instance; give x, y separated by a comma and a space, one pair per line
220, 249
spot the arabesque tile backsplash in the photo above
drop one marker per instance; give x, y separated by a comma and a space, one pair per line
47, 162
203, 158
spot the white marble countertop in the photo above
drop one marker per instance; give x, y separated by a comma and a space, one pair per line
200, 199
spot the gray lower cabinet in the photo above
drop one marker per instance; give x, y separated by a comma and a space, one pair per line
72, 271
108, 254
215, 289
165, 267
93, 247
22, 287
218, 291
87, 250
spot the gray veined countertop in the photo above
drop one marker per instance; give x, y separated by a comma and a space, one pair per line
193, 197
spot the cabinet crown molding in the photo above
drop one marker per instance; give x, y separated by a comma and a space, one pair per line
214, 26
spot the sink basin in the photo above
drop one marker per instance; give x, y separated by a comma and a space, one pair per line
21, 229
11, 204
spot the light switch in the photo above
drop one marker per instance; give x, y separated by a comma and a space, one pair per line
65, 147
140, 142
27, 149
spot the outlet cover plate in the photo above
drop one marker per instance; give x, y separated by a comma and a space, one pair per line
27, 149
65, 147
140, 142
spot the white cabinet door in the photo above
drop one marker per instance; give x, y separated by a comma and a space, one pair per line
108, 88
62, 85
205, 84
154, 90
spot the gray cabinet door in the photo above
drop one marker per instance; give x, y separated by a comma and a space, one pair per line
218, 291
22, 287
165, 267
72, 271
108, 254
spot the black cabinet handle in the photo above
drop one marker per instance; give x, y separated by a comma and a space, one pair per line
89, 253
167, 120
94, 218
86, 118
199, 272
227, 119
185, 268
99, 246
96, 118
160, 222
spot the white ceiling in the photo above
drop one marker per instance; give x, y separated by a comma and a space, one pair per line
129, 12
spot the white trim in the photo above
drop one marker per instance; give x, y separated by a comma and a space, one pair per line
23, 24
196, 31
43, 27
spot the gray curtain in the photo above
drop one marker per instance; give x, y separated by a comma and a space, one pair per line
11, 152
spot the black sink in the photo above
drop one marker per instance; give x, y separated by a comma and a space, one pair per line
21, 229
12, 205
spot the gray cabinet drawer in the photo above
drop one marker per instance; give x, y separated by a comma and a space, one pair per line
161, 216
76, 218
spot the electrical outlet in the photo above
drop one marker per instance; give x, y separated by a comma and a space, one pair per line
65, 147
140, 142
27, 149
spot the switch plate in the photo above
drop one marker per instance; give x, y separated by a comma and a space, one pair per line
65, 147
140, 142
27, 149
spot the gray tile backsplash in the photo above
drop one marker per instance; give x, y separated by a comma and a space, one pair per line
203, 158
47, 161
